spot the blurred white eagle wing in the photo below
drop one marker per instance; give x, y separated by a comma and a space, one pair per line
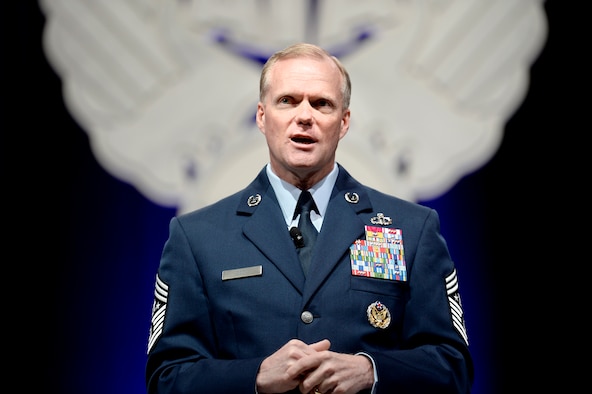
155, 116
441, 86
171, 112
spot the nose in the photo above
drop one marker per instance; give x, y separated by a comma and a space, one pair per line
304, 113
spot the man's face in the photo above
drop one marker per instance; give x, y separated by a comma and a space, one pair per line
302, 118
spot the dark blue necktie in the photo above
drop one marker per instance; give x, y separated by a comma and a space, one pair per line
309, 232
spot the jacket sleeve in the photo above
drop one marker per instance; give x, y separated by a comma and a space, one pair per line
434, 355
181, 346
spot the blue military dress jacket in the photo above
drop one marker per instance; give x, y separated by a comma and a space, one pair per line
230, 291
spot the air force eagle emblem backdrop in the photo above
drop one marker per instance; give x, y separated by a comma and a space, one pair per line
167, 90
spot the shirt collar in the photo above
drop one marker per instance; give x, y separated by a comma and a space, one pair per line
287, 194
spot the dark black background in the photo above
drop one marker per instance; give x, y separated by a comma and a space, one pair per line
48, 167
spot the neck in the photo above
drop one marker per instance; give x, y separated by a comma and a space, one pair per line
303, 179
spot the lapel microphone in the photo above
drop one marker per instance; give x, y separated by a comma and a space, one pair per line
297, 237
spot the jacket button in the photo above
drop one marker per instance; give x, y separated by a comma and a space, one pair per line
306, 317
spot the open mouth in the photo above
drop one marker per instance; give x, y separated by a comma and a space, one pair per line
302, 140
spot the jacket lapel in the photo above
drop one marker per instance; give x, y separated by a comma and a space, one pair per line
267, 229
341, 227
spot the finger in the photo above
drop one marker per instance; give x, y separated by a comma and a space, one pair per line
305, 366
321, 345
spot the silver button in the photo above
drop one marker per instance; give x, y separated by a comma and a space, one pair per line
306, 317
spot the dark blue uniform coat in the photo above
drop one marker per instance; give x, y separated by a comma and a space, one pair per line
209, 335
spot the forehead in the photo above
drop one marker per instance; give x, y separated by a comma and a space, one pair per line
304, 74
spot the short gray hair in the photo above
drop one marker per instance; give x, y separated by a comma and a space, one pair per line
304, 50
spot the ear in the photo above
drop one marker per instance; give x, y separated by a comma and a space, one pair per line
345, 123
260, 118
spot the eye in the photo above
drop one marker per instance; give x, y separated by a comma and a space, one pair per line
324, 106
284, 100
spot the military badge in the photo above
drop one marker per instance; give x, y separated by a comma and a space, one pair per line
352, 198
378, 315
254, 200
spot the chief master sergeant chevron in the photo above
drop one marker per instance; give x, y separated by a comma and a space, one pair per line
379, 309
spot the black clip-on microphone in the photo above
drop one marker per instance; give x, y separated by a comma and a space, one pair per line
297, 237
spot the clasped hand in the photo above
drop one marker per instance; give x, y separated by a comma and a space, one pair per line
314, 367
